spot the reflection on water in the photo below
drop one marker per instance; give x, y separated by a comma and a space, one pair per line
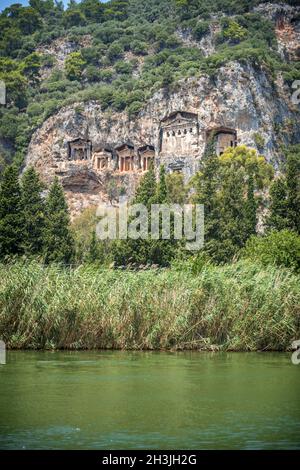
144, 400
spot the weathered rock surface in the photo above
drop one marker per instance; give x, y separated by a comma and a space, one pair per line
287, 27
241, 97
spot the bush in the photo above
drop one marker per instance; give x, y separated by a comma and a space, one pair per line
134, 108
278, 248
234, 32
139, 47
115, 51
92, 73
201, 29
74, 65
259, 140
123, 67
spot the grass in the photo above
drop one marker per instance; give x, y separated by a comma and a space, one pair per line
240, 307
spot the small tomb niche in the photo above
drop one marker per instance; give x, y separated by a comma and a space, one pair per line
102, 159
126, 158
147, 154
176, 167
80, 150
224, 137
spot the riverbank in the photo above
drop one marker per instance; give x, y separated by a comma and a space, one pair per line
239, 307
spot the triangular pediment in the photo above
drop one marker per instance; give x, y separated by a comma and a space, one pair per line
179, 118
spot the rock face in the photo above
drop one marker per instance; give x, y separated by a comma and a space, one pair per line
94, 153
287, 27
58, 50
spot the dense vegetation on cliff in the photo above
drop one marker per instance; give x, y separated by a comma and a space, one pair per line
119, 53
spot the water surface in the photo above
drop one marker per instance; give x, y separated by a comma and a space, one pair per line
149, 400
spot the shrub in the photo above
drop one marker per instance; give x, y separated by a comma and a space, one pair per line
115, 51
200, 30
234, 32
139, 47
74, 65
123, 67
278, 248
134, 108
259, 140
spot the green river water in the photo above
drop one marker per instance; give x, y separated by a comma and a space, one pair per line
149, 400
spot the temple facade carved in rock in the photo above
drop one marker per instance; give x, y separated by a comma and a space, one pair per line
180, 146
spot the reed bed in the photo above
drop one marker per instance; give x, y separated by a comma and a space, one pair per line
239, 307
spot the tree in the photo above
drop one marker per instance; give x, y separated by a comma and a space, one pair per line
11, 214
162, 186
33, 211
92, 9
234, 32
95, 252
58, 241
29, 20
176, 189
31, 65
285, 195
277, 219
293, 187
251, 207
146, 190
207, 183
42, 6
226, 185
74, 18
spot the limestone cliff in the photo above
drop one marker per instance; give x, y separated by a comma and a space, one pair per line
244, 102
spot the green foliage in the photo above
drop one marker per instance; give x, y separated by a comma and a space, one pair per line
74, 65
139, 47
234, 32
58, 240
11, 214
162, 191
123, 67
115, 51
33, 213
146, 250
29, 20
74, 18
227, 186
177, 191
285, 194
259, 140
278, 248
277, 219
201, 29
146, 190
132, 45
293, 187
